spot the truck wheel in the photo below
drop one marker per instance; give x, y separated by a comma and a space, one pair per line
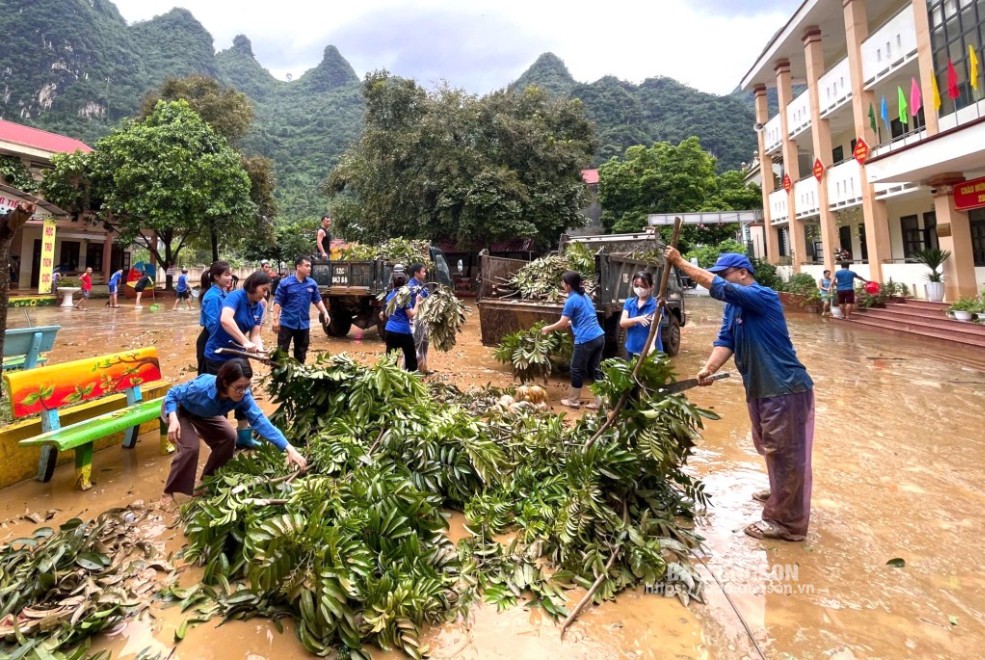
340, 324
671, 336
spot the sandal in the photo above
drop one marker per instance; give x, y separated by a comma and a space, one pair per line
763, 529
761, 495
570, 404
594, 405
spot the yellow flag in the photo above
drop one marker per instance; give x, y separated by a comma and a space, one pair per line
973, 65
936, 92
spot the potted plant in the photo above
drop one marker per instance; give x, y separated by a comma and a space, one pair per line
964, 308
933, 258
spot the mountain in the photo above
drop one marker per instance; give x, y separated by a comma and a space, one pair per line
657, 110
76, 67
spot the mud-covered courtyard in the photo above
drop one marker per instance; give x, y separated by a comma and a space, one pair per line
898, 474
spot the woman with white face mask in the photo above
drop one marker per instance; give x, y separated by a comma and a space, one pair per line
637, 315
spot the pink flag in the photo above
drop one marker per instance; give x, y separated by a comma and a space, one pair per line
915, 101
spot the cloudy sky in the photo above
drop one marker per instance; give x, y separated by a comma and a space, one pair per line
481, 45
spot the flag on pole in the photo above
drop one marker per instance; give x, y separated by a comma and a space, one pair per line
872, 119
884, 113
936, 92
973, 65
916, 102
952, 81
903, 116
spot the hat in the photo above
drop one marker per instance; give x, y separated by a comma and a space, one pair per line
731, 260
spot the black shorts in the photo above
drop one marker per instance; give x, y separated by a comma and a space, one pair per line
184, 295
846, 297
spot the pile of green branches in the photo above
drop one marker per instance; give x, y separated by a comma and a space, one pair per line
444, 314
59, 588
356, 550
395, 250
532, 354
541, 278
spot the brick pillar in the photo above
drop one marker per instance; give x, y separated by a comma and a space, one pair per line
925, 59
791, 165
954, 235
766, 169
873, 211
821, 137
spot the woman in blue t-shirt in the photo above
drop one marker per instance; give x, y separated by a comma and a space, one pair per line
637, 315
579, 314
398, 333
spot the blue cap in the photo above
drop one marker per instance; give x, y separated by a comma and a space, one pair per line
732, 260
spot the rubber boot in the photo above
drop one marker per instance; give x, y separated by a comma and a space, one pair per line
574, 393
244, 439
595, 404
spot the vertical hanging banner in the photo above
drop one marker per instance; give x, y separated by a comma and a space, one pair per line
787, 183
47, 255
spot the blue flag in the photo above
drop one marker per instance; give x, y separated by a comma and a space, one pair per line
884, 113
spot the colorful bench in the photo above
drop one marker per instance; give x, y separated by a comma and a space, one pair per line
47, 389
22, 347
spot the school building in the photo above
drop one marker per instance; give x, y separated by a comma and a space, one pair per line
880, 138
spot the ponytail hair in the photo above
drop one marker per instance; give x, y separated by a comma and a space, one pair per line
573, 279
214, 271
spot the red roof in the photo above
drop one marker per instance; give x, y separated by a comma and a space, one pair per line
590, 177
38, 139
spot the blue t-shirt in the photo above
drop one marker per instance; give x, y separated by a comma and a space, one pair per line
246, 315
584, 319
754, 329
114, 280
201, 398
208, 316
182, 285
398, 322
636, 334
418, 287
844, 278
295, 299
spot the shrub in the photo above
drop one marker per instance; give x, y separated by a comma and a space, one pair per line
766, 274
708, 254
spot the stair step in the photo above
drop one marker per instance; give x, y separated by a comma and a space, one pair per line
923, 331
913, 303
892, 318
898, 311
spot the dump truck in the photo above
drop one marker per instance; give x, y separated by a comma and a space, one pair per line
350, 289
615, 266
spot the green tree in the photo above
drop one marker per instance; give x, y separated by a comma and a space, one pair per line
169, 174
732, 193
449, 165
10, 222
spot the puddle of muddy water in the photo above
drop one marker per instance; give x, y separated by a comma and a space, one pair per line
898, 472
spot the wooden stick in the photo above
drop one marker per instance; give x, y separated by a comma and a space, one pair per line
651, 336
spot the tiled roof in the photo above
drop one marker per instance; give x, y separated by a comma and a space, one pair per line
38, 139
590, 177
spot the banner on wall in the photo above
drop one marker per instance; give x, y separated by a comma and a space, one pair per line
970, 195
47, 255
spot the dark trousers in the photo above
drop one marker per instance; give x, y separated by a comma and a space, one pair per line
585, 361
203, 339
216, 432
397, 341
783, 433
301, 340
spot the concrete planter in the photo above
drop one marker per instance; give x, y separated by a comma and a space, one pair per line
935, 291
68, 292
793, 302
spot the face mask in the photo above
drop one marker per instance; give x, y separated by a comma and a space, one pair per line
640, 291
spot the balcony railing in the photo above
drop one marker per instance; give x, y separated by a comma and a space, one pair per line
890, 47
844, 185
806, 197
835, 88
772, 134
778, 206
799, 115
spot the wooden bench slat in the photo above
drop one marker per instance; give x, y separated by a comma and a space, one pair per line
90, 430
14, 363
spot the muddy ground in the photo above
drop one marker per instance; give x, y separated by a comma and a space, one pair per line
898, 473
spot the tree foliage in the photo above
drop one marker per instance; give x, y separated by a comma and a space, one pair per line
170, 174
449, 165
667, 178
226, 110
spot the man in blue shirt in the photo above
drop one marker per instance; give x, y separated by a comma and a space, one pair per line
779, 393
182, 291
845, 285
292, 318
114, 288
418, 285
